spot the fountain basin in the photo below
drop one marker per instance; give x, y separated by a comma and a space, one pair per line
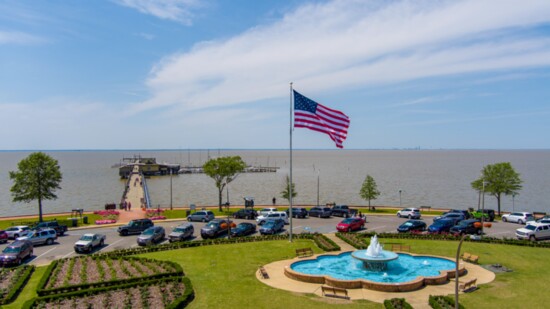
365, 278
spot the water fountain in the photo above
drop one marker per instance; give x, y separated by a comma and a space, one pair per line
375, 258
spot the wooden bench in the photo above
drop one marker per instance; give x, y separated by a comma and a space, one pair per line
467, 285
470, 257
403, 248
330, 291
263, 273
304, 252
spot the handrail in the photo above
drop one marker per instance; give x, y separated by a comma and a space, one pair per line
145, 191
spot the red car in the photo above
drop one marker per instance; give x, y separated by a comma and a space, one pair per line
350, 224
3, 237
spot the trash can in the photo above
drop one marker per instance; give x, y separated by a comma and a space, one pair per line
85, 219
75, 222
187, 213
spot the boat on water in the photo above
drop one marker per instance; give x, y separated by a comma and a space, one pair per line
147, 166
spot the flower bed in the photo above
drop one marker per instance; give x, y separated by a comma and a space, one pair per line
107, 212
106, 221
443, 302
396, 303
158, 218
12, 281
67, 275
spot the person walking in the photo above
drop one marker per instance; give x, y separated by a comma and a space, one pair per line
274, 201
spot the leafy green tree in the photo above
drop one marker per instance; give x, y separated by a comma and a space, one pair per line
223, 170
369, 190
285, 193
37, 178
500, 178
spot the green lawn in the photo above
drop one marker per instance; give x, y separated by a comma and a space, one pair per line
63, 219
224, 275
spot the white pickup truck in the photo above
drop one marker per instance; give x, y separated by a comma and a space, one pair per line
88, 242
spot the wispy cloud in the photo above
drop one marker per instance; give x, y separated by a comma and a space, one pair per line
146, 36
348, 44
15, 37
175, 10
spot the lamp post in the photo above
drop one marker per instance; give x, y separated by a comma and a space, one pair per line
456, 268
400, 198
171, 205
513, 203
482, 205
318, 173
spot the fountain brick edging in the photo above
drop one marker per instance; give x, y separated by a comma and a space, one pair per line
377, 286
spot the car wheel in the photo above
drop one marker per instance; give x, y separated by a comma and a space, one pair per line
319, 215
15, 236
61, 234
478, 232
532, 238
520, 221
124, 233
49, 241
101, 243
188, 219
398, 215
349, 229
19, 261
203, 220
504, 219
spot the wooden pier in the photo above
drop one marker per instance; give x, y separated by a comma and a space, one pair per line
135, 196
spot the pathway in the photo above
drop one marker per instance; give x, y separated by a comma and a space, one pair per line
134, 197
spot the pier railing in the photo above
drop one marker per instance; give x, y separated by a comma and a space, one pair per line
146, 196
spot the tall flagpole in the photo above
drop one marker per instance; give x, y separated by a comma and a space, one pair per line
290, 182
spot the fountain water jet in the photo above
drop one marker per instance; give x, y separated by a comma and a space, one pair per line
375, 258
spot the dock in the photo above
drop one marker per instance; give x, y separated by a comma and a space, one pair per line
146, 166
135, 196
249, 169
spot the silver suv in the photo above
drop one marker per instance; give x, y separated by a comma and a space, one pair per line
203, 215
518, 217
41, 237
534, 231
411, 213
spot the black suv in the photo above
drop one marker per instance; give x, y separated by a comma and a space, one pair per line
59, 228
342, 211
466, 213
297, 212
135, 227
16, 252
471, 226
321, 212
246, 213
215, 228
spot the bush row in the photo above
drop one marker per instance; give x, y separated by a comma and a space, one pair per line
353, 239
449, 237
14, 287
180, 302
42, 291
397, 303
443, 302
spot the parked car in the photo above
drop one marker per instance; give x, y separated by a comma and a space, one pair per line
470, 226
411, 213
464, 212
203, 216
412, 226
181, 232
351, 224
152, 235
88, 242
518, 217
320, 212
274, 215
216, 227
441, 226
455, 216
3, 237
60, 229
298, 212
246, 213
545, 219
488, 214
272, 226
17, 231
534, 231
243, 229
41, 237
342, 211
16, 252
135, 227
265, 211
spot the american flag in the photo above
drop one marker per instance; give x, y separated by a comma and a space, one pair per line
314, 116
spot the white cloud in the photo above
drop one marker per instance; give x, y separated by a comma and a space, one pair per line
350, 44
16, 37
176, 10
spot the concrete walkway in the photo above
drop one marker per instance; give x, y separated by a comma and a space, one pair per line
344, 246
134, 197
418, 298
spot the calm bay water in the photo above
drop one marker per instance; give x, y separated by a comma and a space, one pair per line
438, 178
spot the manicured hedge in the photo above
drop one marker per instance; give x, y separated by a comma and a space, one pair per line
24, 273
397, 303
443, 302
353, 239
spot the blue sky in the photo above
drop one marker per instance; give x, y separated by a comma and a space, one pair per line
136, 74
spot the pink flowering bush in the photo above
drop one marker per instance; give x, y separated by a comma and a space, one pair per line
107, 221
157, 218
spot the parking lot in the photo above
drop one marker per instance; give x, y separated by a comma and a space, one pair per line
63, 247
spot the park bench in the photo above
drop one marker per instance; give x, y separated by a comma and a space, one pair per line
470, 257
467, 285
304, 252
330, 291
263, 273
403, 248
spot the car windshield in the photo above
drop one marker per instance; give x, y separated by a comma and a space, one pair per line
531, 227
149, 232
463, 223
11, 249
86, 237
441, 223
269, 224
178, 230
407, 224
347, 221
32, 234
11, 229
212, 224
241, 226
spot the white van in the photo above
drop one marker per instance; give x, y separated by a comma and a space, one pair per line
266, 211
534, 231
274, 215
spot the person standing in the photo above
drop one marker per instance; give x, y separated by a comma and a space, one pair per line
274, 201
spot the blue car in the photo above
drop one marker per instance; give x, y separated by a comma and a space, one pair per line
272, 226
441, 226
